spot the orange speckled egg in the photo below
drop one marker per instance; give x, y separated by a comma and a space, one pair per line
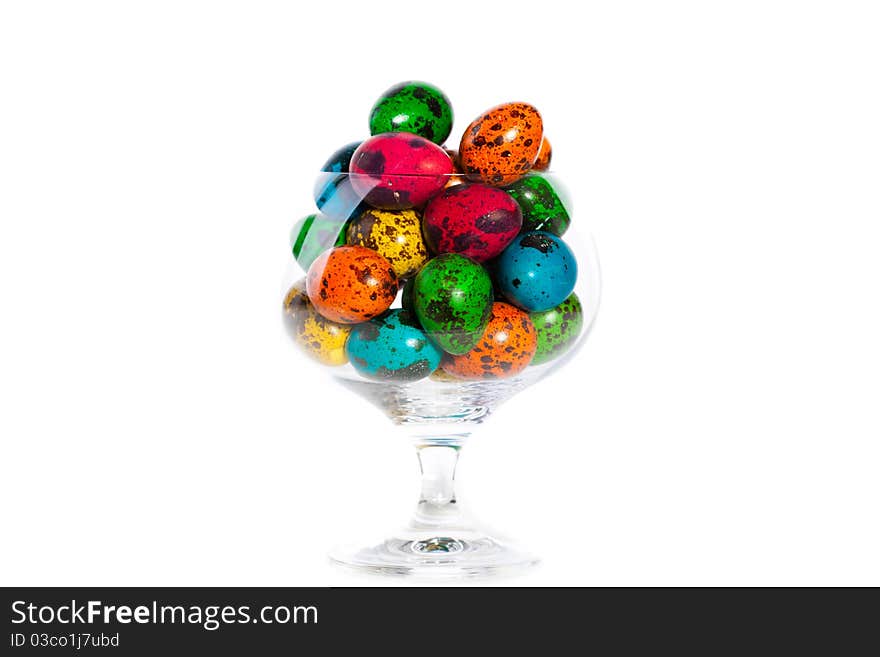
507, 347
351, 284
501, 146
544, 156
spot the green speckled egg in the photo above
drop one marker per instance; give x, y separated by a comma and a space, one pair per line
314, 234
452, 298
416, 107
558, 329
542, 209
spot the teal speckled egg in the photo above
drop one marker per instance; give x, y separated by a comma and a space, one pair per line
334, 195
314, 234
392, 347
541, 206
536, 272
558, 329
452, 298
416, 107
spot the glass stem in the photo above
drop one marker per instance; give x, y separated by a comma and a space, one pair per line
437, 504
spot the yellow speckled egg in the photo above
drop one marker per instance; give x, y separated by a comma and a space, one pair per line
394, 234
320, 338
442, 376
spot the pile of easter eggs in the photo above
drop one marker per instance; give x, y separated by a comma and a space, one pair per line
469, 239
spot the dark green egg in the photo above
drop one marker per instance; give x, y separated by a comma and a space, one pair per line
416, 107
314, 234
407, 295
452, 298
542, 209
558, 329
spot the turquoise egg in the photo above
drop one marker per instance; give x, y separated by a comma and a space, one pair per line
334, 194
536, 272
392, 347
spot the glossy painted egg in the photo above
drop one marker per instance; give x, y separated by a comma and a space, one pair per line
452, 298
456, 161
338, 198
454, 180
408, 294
475, 220
334, 194
416, 107
558, 329
502, 144
506, 347
536, 272
544, 156
320, 338
440, 376
399, 170
392, 347
542, 208
351, 284
394, 234
457, 177
314, 234
341, 158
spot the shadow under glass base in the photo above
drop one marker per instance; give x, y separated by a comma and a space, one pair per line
426, 554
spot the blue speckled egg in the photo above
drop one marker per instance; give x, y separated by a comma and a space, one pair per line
536, 272
392, 347
339, 161
334, 194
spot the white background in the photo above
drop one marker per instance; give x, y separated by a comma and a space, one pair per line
720, 428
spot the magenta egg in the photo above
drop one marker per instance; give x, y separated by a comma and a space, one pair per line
472, 219
399, 170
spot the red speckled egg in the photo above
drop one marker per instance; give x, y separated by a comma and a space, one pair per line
506, 348
399, 170
502, 145
351, 284
471, 219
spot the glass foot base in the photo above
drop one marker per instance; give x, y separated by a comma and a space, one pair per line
436, 556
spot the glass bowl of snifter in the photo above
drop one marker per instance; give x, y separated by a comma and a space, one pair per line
438, 282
